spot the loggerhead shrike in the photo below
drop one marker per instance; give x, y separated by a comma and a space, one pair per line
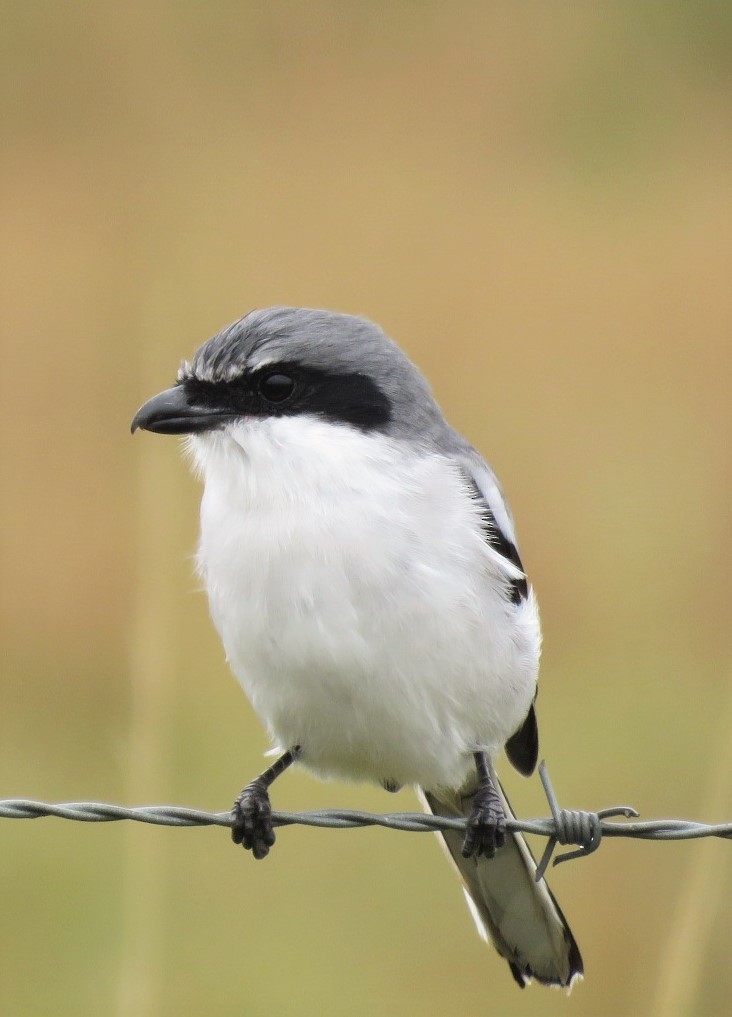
362, 571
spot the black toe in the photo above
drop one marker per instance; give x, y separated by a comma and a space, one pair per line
486, 829
252, 815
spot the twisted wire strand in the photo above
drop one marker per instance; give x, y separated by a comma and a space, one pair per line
346, 819
584, 829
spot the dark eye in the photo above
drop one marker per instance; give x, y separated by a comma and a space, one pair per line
276, 387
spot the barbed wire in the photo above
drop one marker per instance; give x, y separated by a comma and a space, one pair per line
564, 826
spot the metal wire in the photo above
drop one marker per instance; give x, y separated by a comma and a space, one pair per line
585, 829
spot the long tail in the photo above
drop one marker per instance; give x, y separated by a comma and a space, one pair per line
514, 912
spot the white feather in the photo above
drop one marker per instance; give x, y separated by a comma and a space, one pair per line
358, 602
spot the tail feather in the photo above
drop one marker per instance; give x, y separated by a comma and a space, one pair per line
518, 915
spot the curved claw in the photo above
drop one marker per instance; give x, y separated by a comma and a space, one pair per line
252, 825
486, 826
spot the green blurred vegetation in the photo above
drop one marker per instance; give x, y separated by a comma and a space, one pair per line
534, 200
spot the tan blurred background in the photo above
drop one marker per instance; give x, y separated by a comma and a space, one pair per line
534, 199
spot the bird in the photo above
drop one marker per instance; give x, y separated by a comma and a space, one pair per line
363, 574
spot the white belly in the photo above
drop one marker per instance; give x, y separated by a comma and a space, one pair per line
358, 603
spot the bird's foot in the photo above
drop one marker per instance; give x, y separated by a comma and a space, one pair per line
252, 814
486, 829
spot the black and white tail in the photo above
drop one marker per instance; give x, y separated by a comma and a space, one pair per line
514, 912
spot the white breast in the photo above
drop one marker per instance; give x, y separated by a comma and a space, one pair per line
359, 604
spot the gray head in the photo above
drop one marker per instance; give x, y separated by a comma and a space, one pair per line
291, 360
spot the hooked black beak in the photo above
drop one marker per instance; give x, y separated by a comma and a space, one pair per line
171, 412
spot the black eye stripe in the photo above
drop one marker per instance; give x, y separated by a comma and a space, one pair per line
346, 398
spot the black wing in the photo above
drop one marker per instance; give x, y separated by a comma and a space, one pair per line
502, 544
522, 748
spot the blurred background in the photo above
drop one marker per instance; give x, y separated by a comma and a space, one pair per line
534, 200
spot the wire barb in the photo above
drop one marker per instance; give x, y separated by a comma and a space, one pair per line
574, 827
